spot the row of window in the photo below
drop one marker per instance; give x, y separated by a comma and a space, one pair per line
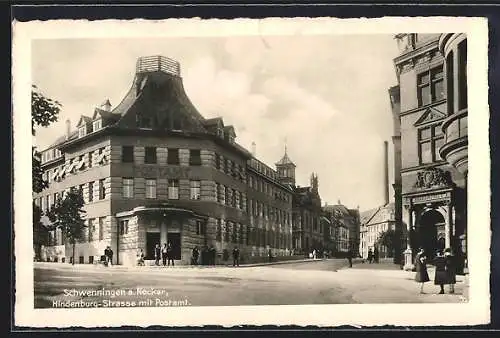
261, 185
50, 155
233, 232
230, 167
56, 237
87, 129
263, 169
258, 208
151, 188
79, 163
46, 202
150, 155
229, 197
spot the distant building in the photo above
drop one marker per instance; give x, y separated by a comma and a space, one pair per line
373, 223
432, 108
346, 228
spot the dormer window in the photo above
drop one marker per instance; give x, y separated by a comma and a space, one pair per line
220, 132
97, 124
82, 131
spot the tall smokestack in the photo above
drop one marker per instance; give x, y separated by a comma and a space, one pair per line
254, 149
386, 172
68, 128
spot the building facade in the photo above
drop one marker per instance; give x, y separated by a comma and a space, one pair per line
373, 223
346, 228
432, 105
153, 170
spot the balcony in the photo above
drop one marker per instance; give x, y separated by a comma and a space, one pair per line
455, 149
158, 63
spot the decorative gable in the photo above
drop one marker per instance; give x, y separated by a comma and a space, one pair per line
430, 115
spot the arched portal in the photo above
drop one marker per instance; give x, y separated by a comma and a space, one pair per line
431, 232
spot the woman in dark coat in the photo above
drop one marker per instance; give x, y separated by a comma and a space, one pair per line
421, 275
450, 269
441, 276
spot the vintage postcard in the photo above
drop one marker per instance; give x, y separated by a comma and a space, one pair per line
250, 172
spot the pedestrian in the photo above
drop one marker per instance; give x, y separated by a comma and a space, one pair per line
440, 276
236, 256
270, 255
314, 254
212, 255
170, 254
450, 269
375, 255
164, 254
421, 275
195, 255
140, 258
106, 256
370, 256
110, 256
157, 254
349, 258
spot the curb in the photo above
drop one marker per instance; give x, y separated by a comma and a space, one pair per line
153, 267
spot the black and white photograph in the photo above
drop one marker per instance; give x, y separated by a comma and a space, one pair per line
251, 171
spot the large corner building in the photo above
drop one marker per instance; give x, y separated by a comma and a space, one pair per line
153, 170
430, 139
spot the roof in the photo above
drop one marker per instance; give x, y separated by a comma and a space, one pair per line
339, 208
285, 160
213, 121
62, 139
85, 119
105, 114
377, 215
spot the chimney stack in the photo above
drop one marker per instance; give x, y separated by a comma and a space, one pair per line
68, 129
386, 172
254, 149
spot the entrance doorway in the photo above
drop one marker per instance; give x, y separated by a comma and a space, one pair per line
175, 240
152, 238
430, 222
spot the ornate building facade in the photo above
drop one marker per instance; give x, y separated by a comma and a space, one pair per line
432, 104
153, 170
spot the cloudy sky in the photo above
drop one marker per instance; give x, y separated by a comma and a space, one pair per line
327, 96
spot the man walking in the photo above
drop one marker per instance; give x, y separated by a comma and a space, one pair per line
157, 254
170, 254
195, 254
236, 257
164, 254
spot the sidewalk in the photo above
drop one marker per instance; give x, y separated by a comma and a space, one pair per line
51, 265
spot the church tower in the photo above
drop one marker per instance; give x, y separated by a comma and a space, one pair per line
286, 170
